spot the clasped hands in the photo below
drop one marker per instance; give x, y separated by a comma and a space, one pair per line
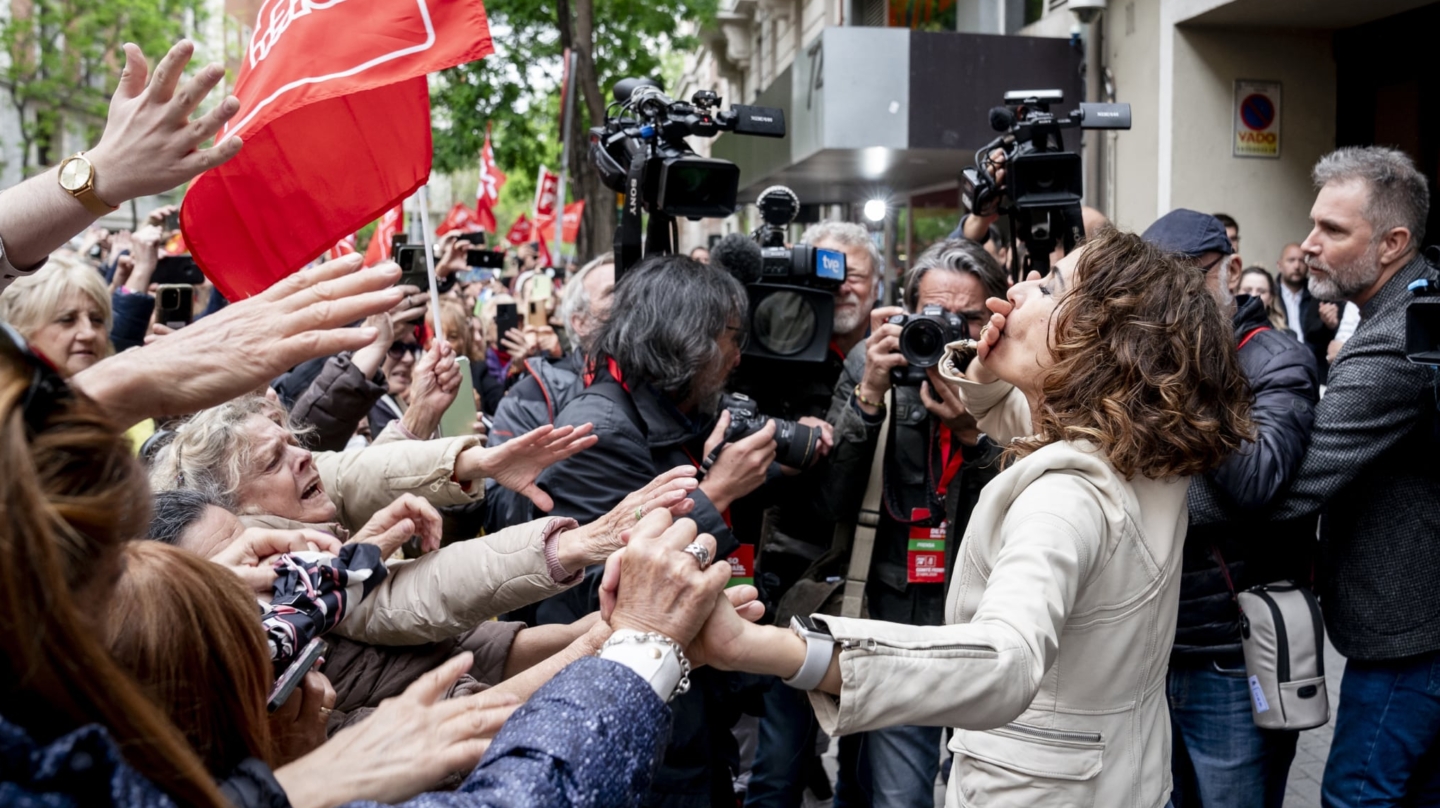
654, 585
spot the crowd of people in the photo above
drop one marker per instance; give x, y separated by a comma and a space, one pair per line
251, 558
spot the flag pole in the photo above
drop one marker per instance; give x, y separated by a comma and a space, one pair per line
422, 204
567, 106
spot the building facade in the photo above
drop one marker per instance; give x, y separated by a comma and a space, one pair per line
1233, 101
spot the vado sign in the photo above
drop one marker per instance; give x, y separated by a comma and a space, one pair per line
1257, 119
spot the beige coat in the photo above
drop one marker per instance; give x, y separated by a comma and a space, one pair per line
442, 594
1061, 614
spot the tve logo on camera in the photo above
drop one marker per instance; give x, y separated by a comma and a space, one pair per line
830, 264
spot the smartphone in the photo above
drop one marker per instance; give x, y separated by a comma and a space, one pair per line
175, 305
535, 313
542, 287
477, 238
172, 221
293, 675
175, 269
411, 258
507, 317
488, 259
475, 276
459, 418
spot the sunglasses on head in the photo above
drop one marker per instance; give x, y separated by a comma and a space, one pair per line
47, 387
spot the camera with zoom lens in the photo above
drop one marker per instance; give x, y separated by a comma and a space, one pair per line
796, 446
1044, 184
923, 338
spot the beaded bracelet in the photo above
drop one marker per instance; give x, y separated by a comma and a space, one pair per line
683, 686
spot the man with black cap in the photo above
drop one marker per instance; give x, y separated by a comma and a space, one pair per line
1220, 757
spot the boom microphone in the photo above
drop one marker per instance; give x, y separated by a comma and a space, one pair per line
740, 256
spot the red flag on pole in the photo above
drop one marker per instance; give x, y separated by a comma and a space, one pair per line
519, 231
336, 131
391, 223
459, 218
570, 229
492, 179
343, 247
547, 186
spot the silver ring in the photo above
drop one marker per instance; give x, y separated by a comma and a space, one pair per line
701, 554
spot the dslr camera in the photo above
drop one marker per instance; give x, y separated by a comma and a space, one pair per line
641, 152
1044, 184
796, 445
923, 338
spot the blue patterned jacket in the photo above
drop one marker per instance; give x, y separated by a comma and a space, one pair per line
590, 737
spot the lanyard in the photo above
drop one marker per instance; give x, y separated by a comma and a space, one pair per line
835, 348
951, 464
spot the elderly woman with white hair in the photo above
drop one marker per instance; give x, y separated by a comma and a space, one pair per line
245, 451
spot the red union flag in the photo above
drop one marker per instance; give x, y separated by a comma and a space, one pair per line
336, 130
570, 230
492, 179
391, 223
519, 231
547, 187
459, 218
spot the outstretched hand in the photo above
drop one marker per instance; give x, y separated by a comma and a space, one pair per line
406, 747
725, 632
250, 556
517, 463
394, 524
151, 144
245, 344
654, 586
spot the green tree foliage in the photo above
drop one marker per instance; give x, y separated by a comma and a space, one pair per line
517, 90
63, 59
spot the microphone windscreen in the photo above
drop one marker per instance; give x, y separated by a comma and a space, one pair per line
1001, 119
739, 255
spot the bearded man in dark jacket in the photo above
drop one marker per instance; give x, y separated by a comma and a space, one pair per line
1219, 756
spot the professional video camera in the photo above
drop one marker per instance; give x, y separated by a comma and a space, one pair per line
1043, 184
796, 445
641, 152
923, 338
791, 289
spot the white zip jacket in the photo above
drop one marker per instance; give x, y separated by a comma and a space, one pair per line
1052, 669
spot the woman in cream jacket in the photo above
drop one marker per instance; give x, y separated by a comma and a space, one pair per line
1062, 606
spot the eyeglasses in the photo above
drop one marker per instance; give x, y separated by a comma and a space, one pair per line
399, 349
1213, 264
47, 387
742, 336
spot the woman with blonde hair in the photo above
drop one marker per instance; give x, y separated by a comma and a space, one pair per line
1113, 381
64, 311
1258, 282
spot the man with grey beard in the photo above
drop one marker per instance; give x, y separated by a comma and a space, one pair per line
1372, 471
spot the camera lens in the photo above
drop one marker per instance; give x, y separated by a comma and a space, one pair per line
784, 323
922, 342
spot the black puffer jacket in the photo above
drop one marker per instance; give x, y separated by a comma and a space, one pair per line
1285, 385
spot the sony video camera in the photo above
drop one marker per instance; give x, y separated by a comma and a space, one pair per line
641, 152
796, 446
923, 338
1044, 184
1422, 324
791, 289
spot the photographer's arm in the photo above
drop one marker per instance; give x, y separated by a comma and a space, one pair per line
150, 145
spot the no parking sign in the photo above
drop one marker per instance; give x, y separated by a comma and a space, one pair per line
1257, 119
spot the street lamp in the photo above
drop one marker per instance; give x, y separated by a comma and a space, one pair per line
875, 210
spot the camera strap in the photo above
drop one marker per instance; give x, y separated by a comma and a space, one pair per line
868, 521
627, 232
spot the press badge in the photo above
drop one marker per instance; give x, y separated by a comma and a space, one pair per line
925, 559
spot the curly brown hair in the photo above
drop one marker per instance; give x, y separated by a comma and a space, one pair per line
1144, 365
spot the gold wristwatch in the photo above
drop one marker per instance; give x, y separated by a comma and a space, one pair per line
77, 177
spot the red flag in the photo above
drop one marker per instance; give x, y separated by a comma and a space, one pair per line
547, 187
570, 230
391, 223
336, 131
492, 179
520, 231
343, 247
459, 218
